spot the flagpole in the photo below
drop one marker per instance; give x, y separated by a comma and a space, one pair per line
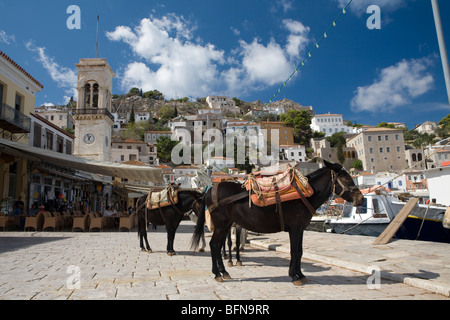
442, 48
96, 44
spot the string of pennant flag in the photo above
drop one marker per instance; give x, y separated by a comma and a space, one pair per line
309, 55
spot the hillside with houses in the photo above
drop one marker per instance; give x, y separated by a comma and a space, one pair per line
147, 127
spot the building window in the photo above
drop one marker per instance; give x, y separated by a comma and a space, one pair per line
37, 135
1, 93
19, 102
59, 144
95, 96
369, 138
379, 138
68, 147
386, 137
49, 135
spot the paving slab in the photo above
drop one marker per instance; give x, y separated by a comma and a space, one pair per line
421, 264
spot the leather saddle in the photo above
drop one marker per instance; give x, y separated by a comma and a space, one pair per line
283, 186
163, 198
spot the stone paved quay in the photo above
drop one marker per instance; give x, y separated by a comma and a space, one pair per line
421, 264
109, 265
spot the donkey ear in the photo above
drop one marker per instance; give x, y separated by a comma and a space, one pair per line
327, 163
331, 165
318, 159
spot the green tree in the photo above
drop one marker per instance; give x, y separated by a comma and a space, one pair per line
443, 131
300, 120
424, 139
134, 92
165, 146
386, 125
167, 112
445, 121
338, 141
154, 94
132, 116
134, 131
358, 165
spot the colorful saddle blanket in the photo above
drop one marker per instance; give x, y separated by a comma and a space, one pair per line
264, 189
164, 198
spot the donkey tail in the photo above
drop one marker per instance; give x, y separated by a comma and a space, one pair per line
200, 226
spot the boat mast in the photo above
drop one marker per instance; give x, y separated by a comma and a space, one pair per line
442, 48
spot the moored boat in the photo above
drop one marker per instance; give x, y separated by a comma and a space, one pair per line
424, 222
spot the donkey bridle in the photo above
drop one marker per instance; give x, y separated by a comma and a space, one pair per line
335, 178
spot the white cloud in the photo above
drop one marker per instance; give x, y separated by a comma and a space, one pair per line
298, 37
396, 86
64, 77
174, 64
6, 38
285, 5
166, 58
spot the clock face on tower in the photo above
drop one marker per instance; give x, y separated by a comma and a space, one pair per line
89, 138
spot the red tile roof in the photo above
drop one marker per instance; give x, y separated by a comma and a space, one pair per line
2, 54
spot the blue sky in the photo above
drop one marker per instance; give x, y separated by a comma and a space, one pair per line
244, 49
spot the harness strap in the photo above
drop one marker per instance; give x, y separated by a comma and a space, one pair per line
279, 206
305, 201
215, 199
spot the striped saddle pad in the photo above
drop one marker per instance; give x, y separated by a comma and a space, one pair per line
264, 189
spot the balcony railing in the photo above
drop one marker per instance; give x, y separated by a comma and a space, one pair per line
13, 121
93, 111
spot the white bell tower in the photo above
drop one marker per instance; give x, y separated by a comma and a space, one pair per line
92, 117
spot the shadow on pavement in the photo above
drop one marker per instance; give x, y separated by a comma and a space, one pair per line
8, 244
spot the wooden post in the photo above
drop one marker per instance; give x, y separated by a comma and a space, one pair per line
396, 223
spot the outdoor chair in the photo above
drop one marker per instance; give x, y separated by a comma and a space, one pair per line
6, 222
35, 223
52, 221
127, 222
98, 222
81, 222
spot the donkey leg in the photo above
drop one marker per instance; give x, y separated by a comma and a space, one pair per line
143, 237
170, 240
238, 246
202, 248
216, 243
230, 244
302, 277
296, 252
215, 256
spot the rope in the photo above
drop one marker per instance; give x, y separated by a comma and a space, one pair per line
423, 221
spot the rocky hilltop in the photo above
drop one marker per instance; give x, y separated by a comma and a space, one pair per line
124, 105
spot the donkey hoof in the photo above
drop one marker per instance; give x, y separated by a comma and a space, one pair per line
300, 281
218, 279
297, 283
201, 250
239, 263
226, 276
230, 263
150, 251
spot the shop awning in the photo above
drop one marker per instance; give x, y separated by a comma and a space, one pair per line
130, 172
